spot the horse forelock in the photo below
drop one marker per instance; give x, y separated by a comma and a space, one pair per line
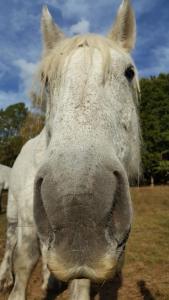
52, 63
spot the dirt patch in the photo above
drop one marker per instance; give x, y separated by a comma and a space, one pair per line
146, 271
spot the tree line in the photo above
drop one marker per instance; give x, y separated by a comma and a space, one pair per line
18, 124
154, 118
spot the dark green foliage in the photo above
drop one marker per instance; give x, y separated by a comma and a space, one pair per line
11, 121
9, 149
17, 126
154, 114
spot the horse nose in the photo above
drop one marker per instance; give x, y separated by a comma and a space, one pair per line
56, 193
64, 200
80, 213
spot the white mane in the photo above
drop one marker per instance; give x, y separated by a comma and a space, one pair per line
53, 60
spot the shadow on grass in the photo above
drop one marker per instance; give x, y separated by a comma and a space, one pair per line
106, 291
109, 290
145, 292
55, 288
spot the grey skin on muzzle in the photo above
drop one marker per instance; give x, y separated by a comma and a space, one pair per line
83, 211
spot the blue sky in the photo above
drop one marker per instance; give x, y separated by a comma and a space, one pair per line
20, 37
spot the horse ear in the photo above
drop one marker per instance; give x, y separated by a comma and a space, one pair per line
51, 32
124, 29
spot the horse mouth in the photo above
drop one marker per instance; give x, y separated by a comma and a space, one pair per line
103, 270
82, 273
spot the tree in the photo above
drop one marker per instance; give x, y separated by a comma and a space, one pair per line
9, 149
11, 119
32, 126
17, 126
154, 115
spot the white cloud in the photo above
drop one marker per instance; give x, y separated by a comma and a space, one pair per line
75, 8
80, 9
143, 6
3, 69
26, 72
161, 62
8, 98
88, 8
71, 8
81, 27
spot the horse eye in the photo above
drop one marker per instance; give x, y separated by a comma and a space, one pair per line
129, 73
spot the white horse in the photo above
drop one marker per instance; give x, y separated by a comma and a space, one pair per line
4, 179
69, 191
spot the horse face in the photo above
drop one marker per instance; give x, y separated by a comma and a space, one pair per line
82, 203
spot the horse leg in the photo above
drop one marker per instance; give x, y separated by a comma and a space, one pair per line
26, 256
6, 277
79, 289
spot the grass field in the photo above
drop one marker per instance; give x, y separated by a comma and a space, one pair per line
146, 272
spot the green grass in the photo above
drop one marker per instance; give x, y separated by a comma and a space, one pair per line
147, 257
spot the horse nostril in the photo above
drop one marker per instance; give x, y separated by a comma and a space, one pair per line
116, 173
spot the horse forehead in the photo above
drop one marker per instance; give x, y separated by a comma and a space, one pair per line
117, 54
84, 57
83, 74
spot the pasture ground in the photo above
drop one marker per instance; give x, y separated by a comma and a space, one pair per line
146, 271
